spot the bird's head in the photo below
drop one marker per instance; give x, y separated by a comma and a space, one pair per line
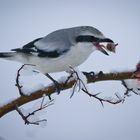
99, 41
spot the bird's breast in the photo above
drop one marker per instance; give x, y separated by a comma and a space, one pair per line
74, 57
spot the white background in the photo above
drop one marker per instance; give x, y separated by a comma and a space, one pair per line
80, 117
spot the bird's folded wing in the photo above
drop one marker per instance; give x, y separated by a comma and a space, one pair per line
56, 41
45, 47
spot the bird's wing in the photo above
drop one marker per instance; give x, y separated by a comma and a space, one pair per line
53, 45
56, 41
28, 48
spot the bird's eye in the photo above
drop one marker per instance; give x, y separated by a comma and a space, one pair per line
86, 38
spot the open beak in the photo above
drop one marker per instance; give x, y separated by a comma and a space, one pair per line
103, 50
101, 47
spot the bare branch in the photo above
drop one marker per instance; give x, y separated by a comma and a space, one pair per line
82, 86
102, 100
42, 106
128, 90
78, 81
17, 79
91, 78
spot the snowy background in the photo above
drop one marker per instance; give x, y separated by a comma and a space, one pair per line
80, 117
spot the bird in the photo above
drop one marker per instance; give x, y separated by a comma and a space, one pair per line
60, 49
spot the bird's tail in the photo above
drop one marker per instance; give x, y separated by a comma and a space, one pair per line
7, 55
15, 56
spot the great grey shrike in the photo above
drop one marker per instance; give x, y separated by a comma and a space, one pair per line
60, 49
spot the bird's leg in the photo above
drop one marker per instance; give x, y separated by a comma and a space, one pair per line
58, 89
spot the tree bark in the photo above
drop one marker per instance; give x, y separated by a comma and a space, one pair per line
91, 78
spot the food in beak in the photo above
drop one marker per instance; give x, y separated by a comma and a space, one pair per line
109, 47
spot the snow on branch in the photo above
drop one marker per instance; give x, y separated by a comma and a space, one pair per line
31, 117
76, 80
18, 77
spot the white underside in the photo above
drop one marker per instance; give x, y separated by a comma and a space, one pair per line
76, 56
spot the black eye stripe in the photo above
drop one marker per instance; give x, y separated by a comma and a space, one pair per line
86, 38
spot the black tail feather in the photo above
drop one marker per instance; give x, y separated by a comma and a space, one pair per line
5, 54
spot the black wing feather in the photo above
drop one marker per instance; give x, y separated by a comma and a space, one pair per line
52, 54
28, 48
31, 48
31, 44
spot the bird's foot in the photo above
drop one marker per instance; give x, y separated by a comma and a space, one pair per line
57, 85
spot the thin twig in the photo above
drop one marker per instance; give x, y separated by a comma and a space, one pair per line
91, 78
79, 82
42, 106
17, 79
128, 90
85, 90
102, 100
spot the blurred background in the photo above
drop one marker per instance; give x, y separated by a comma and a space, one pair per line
81, 117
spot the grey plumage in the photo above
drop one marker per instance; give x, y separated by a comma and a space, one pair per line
64, 37
55, 43
59, 49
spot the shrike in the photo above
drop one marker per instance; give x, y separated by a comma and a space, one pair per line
60, 49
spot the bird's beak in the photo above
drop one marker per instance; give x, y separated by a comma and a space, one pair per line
103, 50
101, 47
